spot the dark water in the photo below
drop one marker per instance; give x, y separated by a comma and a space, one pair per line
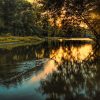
66, 70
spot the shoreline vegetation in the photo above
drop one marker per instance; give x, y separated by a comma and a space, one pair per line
19, 39
9, 42
39, 21
69, 39
35, 39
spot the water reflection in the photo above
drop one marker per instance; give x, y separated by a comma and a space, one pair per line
66, 70
72, 53
49, 67
75, 78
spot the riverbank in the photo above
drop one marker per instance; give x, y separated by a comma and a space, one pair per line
9, 42
68, 39
34, 39
16, 39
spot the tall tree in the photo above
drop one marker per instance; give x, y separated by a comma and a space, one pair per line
18, 17
77, 8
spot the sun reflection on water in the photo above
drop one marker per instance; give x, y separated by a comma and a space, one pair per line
75, 76
49, 67
74, 53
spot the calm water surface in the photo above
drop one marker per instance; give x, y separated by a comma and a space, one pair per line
61, 70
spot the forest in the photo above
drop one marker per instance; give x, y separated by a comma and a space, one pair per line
50, 18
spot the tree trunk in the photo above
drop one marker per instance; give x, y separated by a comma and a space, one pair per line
97, 36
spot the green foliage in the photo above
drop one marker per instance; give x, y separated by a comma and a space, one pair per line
18, 17
21, 18
80, 9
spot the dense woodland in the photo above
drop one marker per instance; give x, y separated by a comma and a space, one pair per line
70, 18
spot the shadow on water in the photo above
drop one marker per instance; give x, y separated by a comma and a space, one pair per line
65, 70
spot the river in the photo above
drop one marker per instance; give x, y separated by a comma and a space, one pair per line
56, 70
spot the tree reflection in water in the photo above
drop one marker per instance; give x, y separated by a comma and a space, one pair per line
71, 71
77, 76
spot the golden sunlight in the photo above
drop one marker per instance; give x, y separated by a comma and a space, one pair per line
83, 25
74, 54
59, 22
49, 67
35, 2
71, 54
31, 1
94, 16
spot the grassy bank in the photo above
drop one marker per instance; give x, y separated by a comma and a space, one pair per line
16, 39
67, 39
34, 39
9, 42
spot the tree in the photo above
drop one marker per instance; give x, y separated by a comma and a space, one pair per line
79, 9
18, 17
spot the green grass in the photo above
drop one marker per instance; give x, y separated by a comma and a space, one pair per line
9, 42
12, 39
